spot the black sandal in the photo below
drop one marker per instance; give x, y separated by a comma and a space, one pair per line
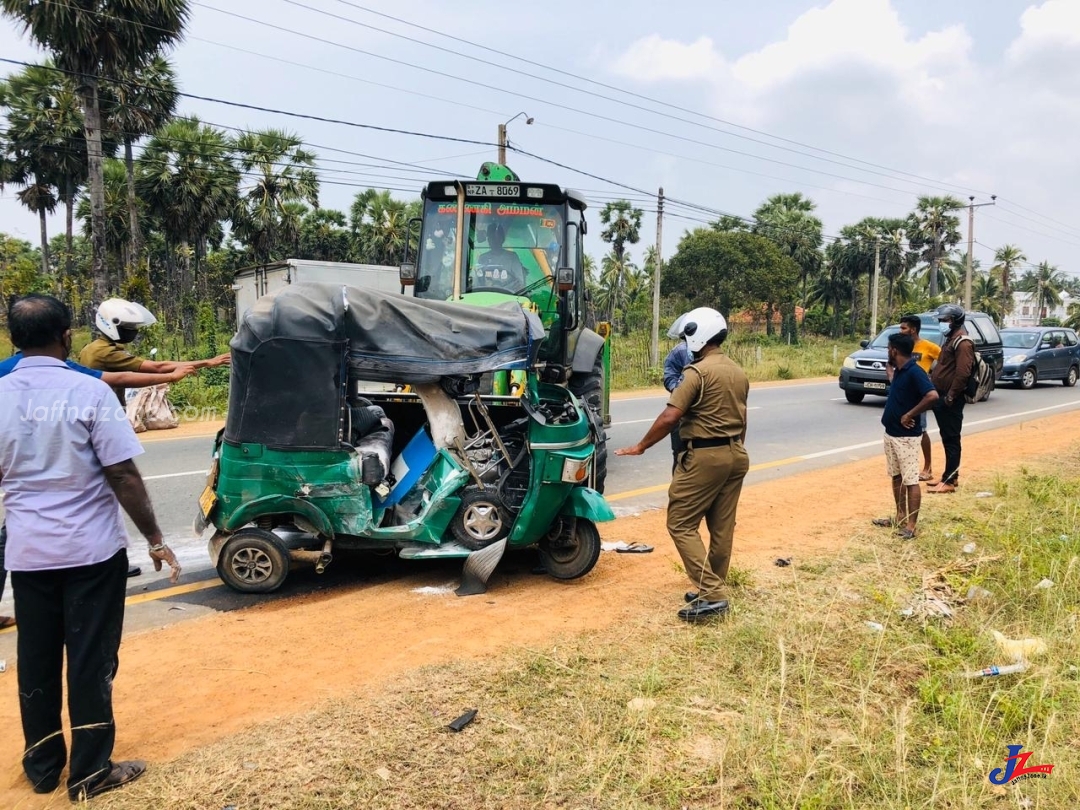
120, 775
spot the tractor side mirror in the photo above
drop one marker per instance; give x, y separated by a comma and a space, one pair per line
407, 274
565, 278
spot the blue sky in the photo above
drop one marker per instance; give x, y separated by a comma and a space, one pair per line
971, 97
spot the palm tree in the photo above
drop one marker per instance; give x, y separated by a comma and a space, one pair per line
188, 181
787, 221
1046, 284
933, 231
1007, 259
986, 296
953, 272
278, 170
615, 273
895, 258
622, 227
37, 143
117, 224
379, 224
92, 40
139, 102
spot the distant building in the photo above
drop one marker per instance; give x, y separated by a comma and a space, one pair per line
1025, 313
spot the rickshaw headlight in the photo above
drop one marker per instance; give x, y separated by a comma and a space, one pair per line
575, 471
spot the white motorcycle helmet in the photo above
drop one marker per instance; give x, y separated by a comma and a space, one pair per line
698, 326
116, 314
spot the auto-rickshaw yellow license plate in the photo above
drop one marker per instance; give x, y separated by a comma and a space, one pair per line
207, 501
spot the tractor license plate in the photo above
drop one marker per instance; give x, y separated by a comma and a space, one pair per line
207, 501
874, 385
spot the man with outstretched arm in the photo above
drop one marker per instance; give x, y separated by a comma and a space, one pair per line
66, 466
709, 474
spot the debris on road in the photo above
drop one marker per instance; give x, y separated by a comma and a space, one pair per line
1044, 585
1019, 649
782, 562
464, 720
969, 548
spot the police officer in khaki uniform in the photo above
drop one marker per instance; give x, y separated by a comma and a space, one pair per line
708, 478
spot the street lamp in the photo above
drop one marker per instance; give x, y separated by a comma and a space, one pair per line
502, 136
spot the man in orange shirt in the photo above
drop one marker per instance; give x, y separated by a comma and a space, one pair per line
925, 353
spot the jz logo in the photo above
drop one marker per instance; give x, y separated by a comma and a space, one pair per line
1016, 767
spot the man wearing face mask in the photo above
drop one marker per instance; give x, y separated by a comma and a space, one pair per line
709, 405
118, 322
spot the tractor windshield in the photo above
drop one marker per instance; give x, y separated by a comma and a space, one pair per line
511, 247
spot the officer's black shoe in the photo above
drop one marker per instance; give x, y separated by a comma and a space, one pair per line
134, 571
690, 596
700, 610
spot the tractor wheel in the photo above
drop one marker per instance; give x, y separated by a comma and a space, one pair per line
482, 519
589, 388
571, 548
253, 561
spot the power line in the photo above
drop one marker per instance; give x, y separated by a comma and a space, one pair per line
620, 90
568, 108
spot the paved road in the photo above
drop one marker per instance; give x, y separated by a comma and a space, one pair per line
792, 428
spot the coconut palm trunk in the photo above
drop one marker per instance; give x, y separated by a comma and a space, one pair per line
135, 246
88, 94
44, 241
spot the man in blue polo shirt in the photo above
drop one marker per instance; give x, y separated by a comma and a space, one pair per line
910, 394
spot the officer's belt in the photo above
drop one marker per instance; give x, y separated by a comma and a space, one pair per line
714, 442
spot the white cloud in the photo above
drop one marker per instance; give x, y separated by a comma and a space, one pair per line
654, 58
1054, 23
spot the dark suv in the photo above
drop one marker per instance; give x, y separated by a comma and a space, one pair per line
863, 371
1040, 353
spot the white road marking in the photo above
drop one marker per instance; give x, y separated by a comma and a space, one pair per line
806, 456
174, 475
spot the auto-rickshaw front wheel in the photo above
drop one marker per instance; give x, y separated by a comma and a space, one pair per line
571, 549
253, 560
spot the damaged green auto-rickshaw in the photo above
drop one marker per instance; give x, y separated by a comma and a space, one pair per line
314, 459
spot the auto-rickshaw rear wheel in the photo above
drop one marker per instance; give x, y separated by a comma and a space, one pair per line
571, 548
482, 519
253, 560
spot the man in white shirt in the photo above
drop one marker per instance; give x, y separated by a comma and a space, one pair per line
66, 450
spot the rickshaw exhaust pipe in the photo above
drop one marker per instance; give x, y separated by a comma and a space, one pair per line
321, 559
479, 567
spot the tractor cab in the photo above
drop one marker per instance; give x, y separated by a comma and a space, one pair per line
501, 239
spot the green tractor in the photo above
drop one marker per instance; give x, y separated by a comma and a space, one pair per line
520, 241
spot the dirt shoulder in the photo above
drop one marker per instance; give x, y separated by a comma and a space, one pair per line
195, 682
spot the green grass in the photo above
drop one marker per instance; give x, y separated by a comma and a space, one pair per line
764, 359
792, 702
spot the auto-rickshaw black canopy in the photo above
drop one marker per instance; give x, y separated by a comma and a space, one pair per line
296, 347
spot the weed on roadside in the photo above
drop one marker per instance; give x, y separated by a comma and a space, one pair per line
837, 689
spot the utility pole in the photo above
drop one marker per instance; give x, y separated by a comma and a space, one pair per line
655, 348
873, 304
971, 206
502, 136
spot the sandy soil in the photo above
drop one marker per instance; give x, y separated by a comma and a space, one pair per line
188, 684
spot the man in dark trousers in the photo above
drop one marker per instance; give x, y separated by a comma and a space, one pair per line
129, 379
950, 378
66, 462
910, 394
711, 405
